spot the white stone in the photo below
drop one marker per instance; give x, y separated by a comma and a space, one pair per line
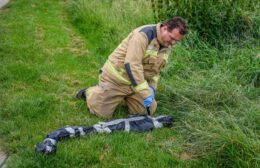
3, 157
3, 3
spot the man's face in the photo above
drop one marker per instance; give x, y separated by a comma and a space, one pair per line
170, 38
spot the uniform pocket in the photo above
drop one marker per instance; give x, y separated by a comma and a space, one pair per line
153, 64
162, 64
157, 63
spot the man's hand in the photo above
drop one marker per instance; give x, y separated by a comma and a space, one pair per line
148, 101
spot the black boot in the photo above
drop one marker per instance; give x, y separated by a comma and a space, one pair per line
81, 94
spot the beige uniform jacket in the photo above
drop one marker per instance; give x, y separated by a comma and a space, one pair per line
137, 61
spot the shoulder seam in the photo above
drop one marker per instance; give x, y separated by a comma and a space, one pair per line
150, 32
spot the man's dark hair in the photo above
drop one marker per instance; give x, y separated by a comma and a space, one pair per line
177, 22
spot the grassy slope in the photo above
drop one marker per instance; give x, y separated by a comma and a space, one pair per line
44, 61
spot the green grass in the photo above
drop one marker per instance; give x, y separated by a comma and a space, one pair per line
51, 49
216, 21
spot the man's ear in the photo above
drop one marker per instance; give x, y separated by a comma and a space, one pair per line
165, 28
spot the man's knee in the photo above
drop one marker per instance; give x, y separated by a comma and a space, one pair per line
97, 108
96, 102
141, 110
100, 113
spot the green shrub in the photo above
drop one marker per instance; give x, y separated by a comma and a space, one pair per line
234, 20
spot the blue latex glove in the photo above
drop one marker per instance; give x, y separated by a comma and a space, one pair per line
148, 101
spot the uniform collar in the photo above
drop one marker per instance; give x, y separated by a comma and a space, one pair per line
159, 38
158, 32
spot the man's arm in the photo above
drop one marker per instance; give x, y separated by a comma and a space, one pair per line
133, 63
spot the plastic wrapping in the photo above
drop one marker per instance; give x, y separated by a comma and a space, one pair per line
134, 123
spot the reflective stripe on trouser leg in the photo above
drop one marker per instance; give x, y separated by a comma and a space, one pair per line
135, 105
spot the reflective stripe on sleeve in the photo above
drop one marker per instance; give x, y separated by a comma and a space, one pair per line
142, 86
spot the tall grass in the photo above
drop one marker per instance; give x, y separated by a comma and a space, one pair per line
216, 21
214, 94
106, 23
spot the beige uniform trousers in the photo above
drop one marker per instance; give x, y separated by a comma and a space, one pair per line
103, 99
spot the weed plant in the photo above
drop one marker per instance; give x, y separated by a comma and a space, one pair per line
51, 49
217, 22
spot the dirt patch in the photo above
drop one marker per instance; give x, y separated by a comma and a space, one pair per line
185, 156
